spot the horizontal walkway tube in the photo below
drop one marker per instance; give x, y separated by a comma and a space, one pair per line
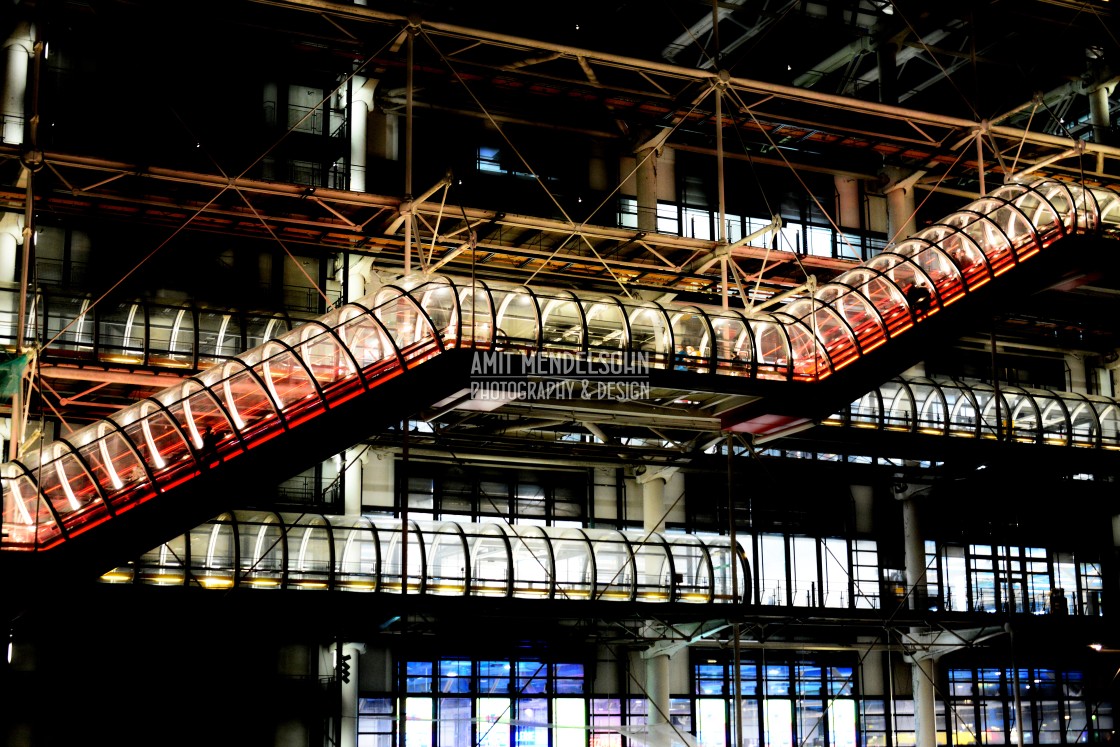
948, 407
144, 450
363, 554
71, 328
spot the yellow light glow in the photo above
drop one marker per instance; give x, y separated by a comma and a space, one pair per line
653, 597
216, 582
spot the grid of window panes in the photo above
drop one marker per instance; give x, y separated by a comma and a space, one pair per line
1091, 584
794, 236
787, 702
435, 491
931, 585
493, 703
865, 574
606, 718
375, 722
1055, 707
1010, 578
873, 722
815, 571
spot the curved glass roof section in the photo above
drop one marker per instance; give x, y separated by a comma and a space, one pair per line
368, 554
949, 407
110, 466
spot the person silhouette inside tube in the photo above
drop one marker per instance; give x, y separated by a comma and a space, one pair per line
209, 450
919, 298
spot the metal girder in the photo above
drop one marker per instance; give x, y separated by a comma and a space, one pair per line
632, 85
933, 644
673, 638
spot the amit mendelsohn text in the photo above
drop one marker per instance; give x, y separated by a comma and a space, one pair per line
601, 365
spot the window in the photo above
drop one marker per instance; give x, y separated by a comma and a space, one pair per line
488, 160
375, 722
499, 702
697, 223
305, 111
668, 220
523, 496
820, 241
804, 701
1053, 704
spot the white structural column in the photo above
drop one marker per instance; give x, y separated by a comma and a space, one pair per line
922, 664
646, 183
653, 482
1098, 110
361, 105
847, 201
361, 108
901, 206
18, 49
11, 239
1099, 114
379, 475
353, 462
348, 694
357, 277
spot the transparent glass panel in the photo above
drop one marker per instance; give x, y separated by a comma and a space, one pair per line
261, 552
614, 567
533, 571
447, 561
245, 399
573, 565
518, 321
213, 553
773, 349
288, 383
490, 561
649, 333
606, 325
69, 324
309, 553
651, 559
692, 340
692, 576
356, 552
122, 332
171, 335
561, 323
219, 336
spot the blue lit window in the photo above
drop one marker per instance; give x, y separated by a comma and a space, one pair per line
493, 676
532, 677
455, 676
489, 160
419, 677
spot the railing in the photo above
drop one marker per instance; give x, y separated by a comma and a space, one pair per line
364, 554
111, 466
